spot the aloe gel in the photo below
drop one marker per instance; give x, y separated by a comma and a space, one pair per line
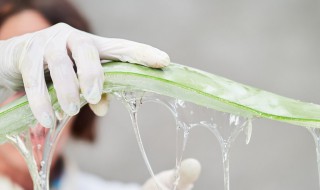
315, 132
184, 83
37, 146
235, 103
225, 127
176, 108
132, 101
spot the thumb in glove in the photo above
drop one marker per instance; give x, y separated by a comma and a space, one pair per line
189, 172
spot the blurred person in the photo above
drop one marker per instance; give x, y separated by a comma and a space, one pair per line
41, 36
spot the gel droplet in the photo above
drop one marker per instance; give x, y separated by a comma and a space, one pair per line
248, 130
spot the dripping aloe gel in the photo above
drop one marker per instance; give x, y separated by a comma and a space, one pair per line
237, 103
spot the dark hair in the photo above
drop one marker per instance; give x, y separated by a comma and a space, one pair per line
11, 7
56, 11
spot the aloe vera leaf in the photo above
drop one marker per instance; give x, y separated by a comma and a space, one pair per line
185, 83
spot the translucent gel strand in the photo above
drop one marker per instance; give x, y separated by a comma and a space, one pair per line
248, 130
37, 147
226, 136
181, 142
176, 107
49, 147
182, 134
23, 143
132, 103
226, 127
315, 132
182, 128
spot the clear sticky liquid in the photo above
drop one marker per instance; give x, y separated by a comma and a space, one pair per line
37, 147
315, 132
37, 144
226, 127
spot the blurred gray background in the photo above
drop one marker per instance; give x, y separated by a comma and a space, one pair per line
270, 44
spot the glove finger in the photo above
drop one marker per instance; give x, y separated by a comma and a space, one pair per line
189, 172
129, 51
36, 89
64, 80
164, 181
101, 108
89, 69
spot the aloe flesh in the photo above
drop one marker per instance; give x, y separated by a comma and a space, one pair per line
184, 83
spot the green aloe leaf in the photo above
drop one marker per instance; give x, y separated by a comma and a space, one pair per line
185, 83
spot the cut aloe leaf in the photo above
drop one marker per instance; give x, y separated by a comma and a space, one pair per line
184, 83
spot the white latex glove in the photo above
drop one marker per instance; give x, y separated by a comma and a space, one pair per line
189, 173
24, 59
6, 184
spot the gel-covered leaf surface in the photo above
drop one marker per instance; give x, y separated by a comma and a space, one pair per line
184, 83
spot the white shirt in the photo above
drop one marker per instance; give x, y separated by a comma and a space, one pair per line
74, 179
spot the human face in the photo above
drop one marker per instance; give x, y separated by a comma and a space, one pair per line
21, 23
11, 162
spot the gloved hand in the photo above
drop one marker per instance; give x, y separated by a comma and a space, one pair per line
189, 173
24, 59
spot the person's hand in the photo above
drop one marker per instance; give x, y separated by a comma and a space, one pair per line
24, 59
189, 173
